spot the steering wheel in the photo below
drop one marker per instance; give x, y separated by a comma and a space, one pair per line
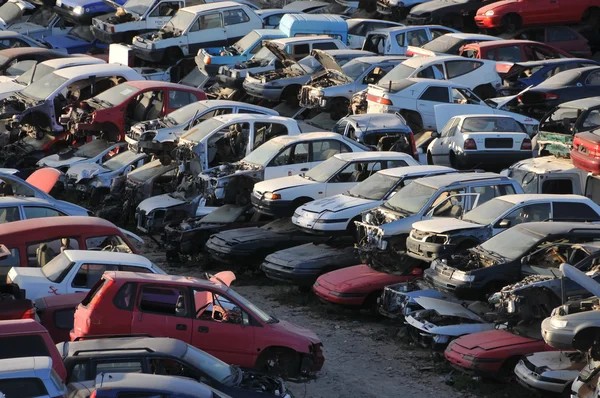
108, 248
218, 308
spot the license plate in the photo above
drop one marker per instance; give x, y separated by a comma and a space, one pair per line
81, 187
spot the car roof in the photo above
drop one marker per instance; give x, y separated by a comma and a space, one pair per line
459, 178
377, 59
286, 40
404, 28
51, 223
470, 36
484, 115
415, 62
556, 227
232, 117
74, 71
158, 278
22, 200
316, 18
21, 326
507, 42
182, 385
551, 61
530, 197
409, 170
373, 155
211, 6
347, 51
15, 52
431, 82
106, 257
287, 139
59, 63
376, 121
582, 103
302, 5
10, 365
10, 33
94, 347
545, 164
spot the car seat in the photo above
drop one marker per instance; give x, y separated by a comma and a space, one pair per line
142, 107
44, 254
65, 244
180, 306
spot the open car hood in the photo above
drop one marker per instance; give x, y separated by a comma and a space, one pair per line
279, 53
204, 298
327, 61
44, 179
581, 279
446, 308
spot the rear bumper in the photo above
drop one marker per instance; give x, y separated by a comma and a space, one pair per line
260, 91
585, 162
230, 82
290, 275
491, 158
108, 37
151, 55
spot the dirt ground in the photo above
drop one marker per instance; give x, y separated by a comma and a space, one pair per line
364, 357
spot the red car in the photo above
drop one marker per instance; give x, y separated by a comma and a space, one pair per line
56, 313
586, 152
511, 15
358, 286
116, 109
560, 37
493, 353
206, 314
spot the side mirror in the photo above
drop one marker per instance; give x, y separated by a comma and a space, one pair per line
435, 134
524, 260
504, 223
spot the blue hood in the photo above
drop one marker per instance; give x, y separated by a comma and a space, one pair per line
92, 6
72, 44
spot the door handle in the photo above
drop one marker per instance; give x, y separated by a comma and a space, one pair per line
181, 326
304, 169
203, 329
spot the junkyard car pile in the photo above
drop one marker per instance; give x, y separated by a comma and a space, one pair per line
436, 163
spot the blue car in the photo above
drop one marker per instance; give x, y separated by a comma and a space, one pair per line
524, 74
82, 11
79, 40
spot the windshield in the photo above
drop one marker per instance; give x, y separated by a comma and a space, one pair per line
374, 187
185, 114
18, 68
40, 70
83, 32
194, 79
400, 72
246, 42
355, 68
265, 152
411, 198
120, 160
264, 54
325, 170
206, 363
203, 129
307, 65
442, 44
148, 171
116, 95
180, 21
91, 149
138, 6
488, 124
42, 17
10, 12
56, 267
42, 89
512, 243
263, 316
527, 179
488, 212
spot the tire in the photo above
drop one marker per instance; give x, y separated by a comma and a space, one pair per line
511, 23
429, 158
414, 121
281, 361
453, 162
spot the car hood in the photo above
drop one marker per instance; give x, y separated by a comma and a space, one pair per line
64, 41
8, 87
359, 276
282, 183
86, 170
56, 161
279, 53
557, 360
336, 203
441, 225
26, 27
44, 179
159, 202
288, 327
311, 256
327, 61
430, 6
493, 6
492, 340
446, 308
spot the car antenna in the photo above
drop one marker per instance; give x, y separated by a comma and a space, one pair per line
33, 73
390, 86
193, 118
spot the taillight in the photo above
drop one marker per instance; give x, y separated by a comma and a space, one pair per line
526, 144
413, 146
29, 314
378, 100
551, 96
93, 394
112, 29
589, 148
470, 144
410, 53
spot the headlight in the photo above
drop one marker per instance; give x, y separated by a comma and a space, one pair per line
461, 276
489, 13
272, 196
78, 10
58, 3
558, 324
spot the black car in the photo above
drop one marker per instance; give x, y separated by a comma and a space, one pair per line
565, 86
457, 14
84, 360
504, 259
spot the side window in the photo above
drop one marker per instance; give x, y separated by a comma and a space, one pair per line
488, 192
63, 319
165, 9
357, 172
23, 387
450, 204
12, 43
283, 158
116, 366
50, 249
593, 79
449, 129
432, 72
21, 346
360, 29
164, 300
592, 119
327, 45
171, 367
435, 33
211, 114
574, 211
300, 50
459, 68
40, 212
9, 214
529, 213
78, 373
400, 40
207, 21
179, 98
14, 260
125, 296
274, 20
234, 17
558, 186
263, 132
417, 38
323, 150
509, 53
472, 54
436, 94
89, 274
131, 268
300, 153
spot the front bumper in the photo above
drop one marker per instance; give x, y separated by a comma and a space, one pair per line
230, 82
462, 359
149, 54
311, 226
485, 22
275, 208
108, 37
223, 252
531, 380
557, 338
328, 295
294, 276
261, 91
443, 282
491, 158
427, 251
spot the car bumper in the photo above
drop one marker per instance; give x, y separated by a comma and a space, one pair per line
230, 82
260, 91
485, 22
328, 295
312, 227
531, 380
468, 364
585, 162
220, 251
427, 251
290, 275
557, 338
108, 37
149, 54
275, 208
491, 158
441, 282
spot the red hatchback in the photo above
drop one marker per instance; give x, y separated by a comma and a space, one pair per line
205, 314
561, 37
586, 152
116, 109
511, 15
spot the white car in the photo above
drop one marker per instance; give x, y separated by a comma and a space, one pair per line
448, 44
96, 151
477, 74
336, 214
395, 41
30, 377
279, 197
469, 141
359, 27
74, 271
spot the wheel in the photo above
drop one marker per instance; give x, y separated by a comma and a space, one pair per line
511, 23
429, 158
339, 108
281, 361
452, 160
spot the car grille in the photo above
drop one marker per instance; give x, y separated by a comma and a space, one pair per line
419, 235
498, 142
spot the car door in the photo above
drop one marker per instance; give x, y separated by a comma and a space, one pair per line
39, 212
426, 102
222, 328
85, 277
350, 175
162, 13
294, 159
356, 34
163, 311
206, 31
540, 12
235, 22
438, 148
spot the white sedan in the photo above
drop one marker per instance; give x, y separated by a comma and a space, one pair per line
281, 196
468, 141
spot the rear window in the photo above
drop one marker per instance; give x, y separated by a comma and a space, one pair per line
23, 346
27, 387
93, 292
64, 319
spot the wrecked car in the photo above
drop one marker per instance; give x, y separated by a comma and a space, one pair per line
159, 136
382, 232
398, 10
280, 197
249, 246
339, 212
559, 126
550, 372
586, 383
302, 265
43, 22
441, 321
395, 40
113, 112
95, 151
331, 89
509, 256
17, 60
189, 236
358, 286
15, 11
439, 238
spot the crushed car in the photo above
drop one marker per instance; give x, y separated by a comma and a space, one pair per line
96, 151
551, 371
